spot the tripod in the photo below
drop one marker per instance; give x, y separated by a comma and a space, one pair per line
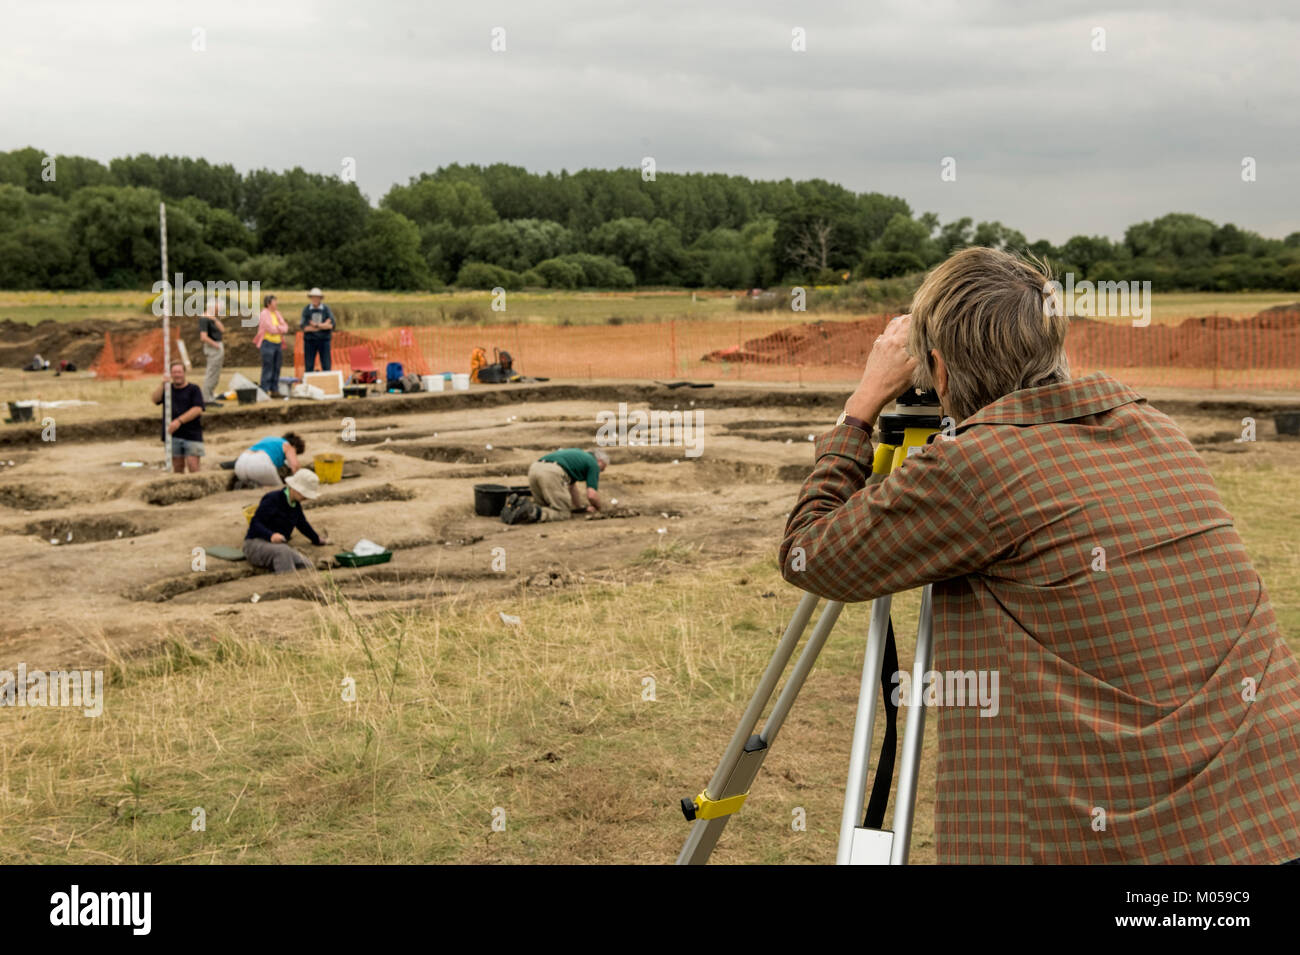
863, 840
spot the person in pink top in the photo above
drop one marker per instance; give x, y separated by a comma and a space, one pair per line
271, 329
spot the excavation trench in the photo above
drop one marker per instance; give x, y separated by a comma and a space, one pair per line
221, 572
87, 530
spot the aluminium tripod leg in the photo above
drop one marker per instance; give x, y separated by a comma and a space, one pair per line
745, 753
858, 844
913, 735
855, 792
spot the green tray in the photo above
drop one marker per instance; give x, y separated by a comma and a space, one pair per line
349, 559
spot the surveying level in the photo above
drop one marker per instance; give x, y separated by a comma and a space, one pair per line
913, 421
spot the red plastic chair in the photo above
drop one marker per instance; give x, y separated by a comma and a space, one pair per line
364, 371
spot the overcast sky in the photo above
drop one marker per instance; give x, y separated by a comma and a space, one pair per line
1048, 136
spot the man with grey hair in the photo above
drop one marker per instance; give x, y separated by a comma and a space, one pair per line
1077, 547
557, 480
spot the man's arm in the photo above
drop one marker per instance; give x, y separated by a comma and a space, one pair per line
327, 320
189, 415
850, 540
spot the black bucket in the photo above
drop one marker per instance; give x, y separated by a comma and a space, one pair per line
1288, 422
246, 396
20, 412
489, 499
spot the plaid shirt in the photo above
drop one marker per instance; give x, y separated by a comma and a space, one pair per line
1149, 710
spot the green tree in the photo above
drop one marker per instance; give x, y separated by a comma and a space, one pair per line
518, 244
1177, 235
955, 235
428, 201
387, 255
116, 229
300, 211
557, 273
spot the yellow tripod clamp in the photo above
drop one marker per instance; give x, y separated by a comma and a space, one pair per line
706, 808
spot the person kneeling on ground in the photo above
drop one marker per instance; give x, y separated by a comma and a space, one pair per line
279, 512
261, 463
556, 481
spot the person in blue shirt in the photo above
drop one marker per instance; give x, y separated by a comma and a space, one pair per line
317, 331
278, 515
261, 463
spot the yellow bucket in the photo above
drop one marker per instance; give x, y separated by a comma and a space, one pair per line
328, 467
249, 512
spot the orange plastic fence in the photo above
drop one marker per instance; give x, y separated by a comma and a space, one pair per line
1262, 352
133, 355
1258, 352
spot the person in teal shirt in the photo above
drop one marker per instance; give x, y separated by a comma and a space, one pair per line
261, 463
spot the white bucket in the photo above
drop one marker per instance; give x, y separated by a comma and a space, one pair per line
459, 382
431, 382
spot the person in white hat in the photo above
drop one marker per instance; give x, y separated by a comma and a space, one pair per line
317, 330
278, 514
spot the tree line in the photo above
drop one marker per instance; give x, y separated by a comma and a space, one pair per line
69, 222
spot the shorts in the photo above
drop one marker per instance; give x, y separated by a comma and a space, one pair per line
182, 448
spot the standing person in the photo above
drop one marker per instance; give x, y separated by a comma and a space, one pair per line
269, 340
185, 428
261, 463
211, 329
556, 480
1077, 547
266, 544
317, 329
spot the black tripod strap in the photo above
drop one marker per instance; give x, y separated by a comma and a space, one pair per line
889, 745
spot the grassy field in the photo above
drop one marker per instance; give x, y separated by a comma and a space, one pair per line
379, 309
460, 718
457, 717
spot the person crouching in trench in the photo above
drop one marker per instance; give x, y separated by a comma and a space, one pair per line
279, 512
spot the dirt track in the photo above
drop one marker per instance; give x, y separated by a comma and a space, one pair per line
120, 578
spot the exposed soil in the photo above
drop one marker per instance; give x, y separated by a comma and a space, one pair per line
1270, 339
81, 342
127, 580
112, 594
380, 411
65, 530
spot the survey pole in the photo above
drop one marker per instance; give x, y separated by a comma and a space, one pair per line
167, 331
